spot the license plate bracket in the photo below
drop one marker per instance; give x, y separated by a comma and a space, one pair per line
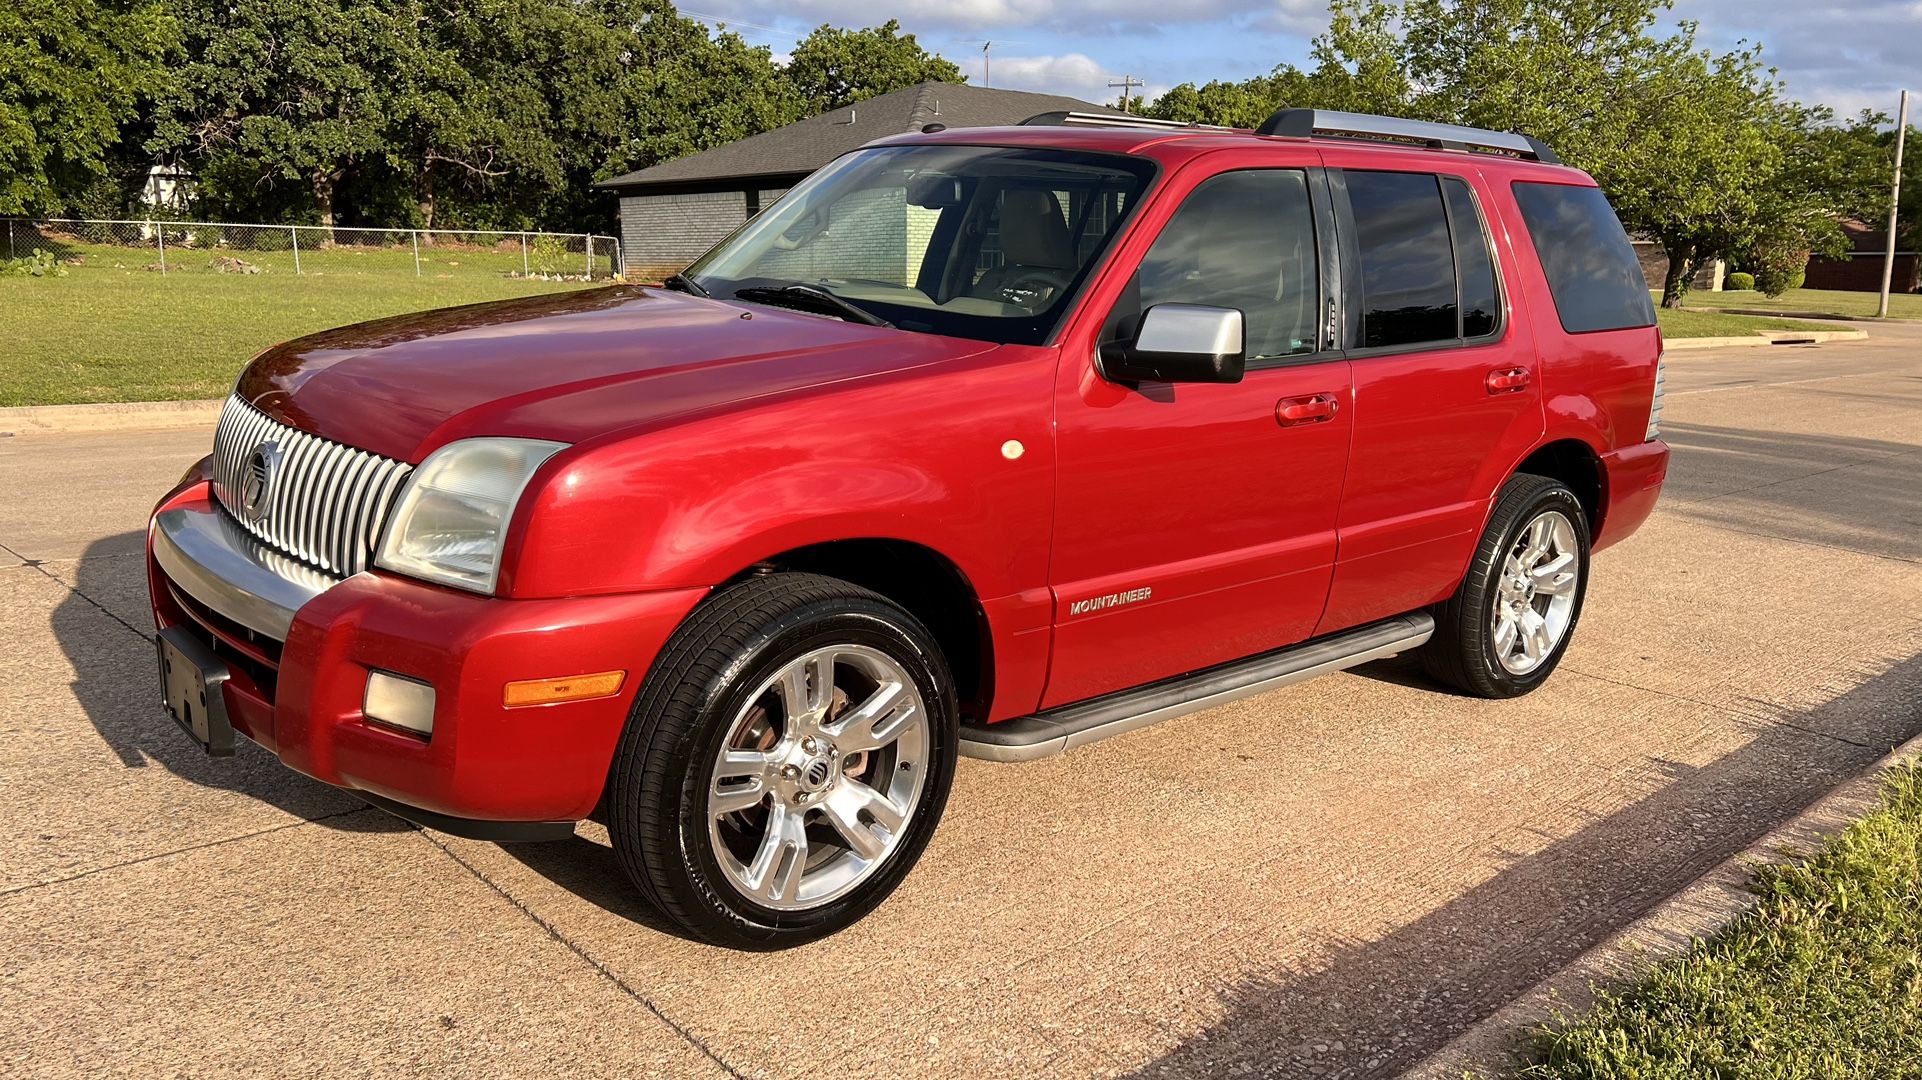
191, 682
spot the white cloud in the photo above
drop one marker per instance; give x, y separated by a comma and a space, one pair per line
1846, 54
1073, 74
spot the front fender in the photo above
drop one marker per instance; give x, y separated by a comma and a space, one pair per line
919, 458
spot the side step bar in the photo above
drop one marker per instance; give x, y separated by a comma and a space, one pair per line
1045, 734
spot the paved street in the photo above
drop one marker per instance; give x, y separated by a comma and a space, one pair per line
1334, 877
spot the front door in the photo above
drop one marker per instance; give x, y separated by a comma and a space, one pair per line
1195, 523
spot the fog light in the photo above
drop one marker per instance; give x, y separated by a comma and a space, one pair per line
399, 701
519, 695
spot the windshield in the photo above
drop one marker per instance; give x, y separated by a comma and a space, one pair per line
973, 241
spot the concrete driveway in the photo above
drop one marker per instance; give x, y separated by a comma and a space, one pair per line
1329, 880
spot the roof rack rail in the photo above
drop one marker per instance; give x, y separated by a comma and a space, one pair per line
1304, 123
1088, 119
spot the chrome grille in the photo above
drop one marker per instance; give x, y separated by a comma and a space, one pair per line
321, 502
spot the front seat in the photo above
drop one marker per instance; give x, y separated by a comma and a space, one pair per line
1037, 254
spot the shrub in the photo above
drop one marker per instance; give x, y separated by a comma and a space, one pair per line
1739, 282
42, 263
1780, 262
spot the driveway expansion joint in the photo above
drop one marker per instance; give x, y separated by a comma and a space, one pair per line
16, 890
686, 1035
143, 635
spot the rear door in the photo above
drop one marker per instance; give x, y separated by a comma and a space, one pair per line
1194, 524
1447, 394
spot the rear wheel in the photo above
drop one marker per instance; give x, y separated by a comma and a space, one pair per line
785, 763
1509, 623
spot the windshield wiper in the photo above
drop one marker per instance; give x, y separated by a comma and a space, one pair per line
680, 282
810, 298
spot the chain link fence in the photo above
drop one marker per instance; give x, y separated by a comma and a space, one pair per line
199, 247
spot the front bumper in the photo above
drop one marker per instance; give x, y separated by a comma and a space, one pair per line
299, 647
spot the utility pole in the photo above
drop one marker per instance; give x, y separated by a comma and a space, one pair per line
1895, 196
1127, 85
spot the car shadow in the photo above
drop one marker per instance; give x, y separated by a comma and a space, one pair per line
1373, 1008
591, 871
107, 637
1815, 493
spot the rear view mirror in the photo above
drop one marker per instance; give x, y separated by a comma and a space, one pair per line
804, 229
1179, 343
934, 191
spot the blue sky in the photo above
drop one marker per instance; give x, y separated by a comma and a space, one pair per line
1844, 54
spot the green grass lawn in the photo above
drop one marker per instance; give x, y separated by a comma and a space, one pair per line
113, 330
1827, 301
1686, 324
1822, 979
107, 333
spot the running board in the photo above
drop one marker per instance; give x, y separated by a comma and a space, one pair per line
1045, 734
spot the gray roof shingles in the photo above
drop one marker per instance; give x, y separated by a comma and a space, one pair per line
806, 145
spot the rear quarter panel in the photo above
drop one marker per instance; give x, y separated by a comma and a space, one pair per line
1597, 387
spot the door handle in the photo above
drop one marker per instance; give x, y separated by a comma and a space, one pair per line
1312, 409
1508, 380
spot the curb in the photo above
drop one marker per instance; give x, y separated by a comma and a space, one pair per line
114, 416
1765, 337
1700, 909
1829, 316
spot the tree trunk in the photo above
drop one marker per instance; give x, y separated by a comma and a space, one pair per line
424, 199
1681, 270
324, 203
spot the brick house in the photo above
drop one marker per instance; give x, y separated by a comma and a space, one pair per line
1709, 273
1861, 269
673, 212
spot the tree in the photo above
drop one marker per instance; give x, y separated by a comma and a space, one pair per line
1701, 152
832, 67
72, 72
299, 90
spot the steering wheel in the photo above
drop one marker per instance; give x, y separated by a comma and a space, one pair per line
1031, 286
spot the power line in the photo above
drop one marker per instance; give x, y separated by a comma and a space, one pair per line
718, 20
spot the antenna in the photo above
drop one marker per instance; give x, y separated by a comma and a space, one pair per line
986, 47
1127, 83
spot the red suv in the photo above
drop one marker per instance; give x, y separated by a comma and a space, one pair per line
986, 442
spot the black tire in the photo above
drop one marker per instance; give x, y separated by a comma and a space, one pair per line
1462, 652
656, 800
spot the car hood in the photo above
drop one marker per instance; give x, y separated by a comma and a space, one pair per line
567, 367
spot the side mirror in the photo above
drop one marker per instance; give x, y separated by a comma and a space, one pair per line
1179, 343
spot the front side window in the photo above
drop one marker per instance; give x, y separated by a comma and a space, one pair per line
982, 242
1242, 240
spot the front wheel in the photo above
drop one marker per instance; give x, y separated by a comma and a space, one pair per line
785, 763
1509, 623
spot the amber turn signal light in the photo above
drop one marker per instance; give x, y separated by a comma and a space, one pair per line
527, 692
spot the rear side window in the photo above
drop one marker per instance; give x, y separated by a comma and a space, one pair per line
1592, 272
1481, 313
1407, 262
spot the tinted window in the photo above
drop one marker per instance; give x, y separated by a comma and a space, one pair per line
1592, 272
1242, 240
1407, 264
1480, 307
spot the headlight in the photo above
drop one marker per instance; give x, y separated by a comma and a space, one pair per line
453, 514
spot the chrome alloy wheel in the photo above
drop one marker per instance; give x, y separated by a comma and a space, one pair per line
818, 777
1535, 596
